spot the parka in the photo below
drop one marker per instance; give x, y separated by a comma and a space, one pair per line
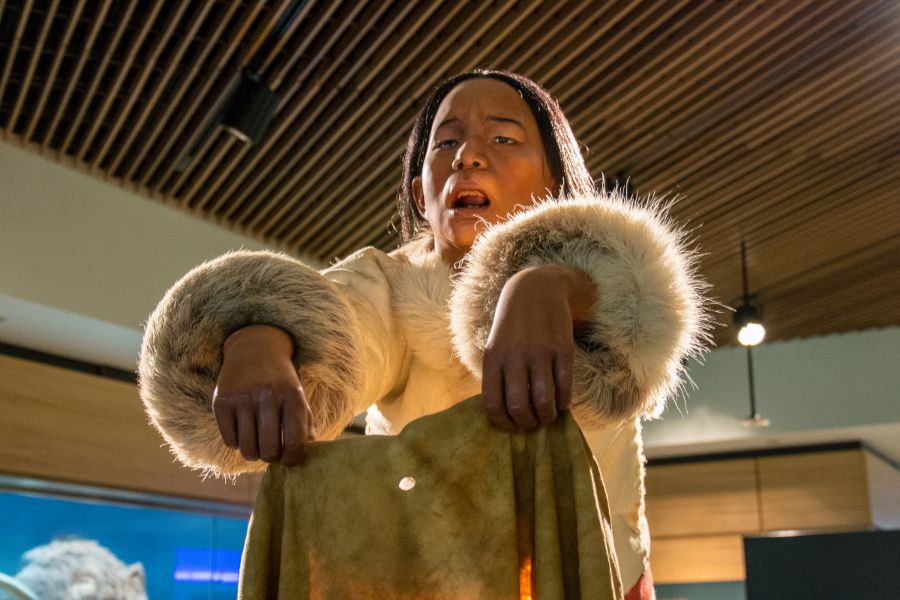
400, 335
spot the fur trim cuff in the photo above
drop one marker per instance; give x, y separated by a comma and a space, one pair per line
649, 314
182, 349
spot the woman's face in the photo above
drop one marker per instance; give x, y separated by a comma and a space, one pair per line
484, 161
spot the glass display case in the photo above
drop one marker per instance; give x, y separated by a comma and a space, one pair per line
190, 550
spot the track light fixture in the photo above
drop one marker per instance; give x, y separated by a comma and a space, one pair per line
247, 107
250, 108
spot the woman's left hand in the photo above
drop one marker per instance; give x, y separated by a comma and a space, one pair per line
529, 356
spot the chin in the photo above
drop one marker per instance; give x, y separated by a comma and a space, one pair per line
464, 235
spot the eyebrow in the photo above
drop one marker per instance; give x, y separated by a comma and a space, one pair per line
498, 119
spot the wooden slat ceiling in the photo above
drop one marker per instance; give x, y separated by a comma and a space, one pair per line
778, 122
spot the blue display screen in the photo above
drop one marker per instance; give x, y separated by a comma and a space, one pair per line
186, 556
199, 565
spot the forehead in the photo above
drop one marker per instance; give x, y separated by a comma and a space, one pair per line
475, 99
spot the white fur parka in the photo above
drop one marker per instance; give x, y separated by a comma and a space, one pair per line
401, 334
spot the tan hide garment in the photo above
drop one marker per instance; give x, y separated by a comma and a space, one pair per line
449, 509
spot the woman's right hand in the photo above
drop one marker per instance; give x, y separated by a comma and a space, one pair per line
258, 402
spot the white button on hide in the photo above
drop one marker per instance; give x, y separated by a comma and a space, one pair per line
407, 483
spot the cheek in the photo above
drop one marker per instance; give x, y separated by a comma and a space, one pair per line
534, 178
432, 182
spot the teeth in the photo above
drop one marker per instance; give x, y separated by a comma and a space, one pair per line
471, 199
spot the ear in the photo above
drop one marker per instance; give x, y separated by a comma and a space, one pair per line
136, 577
418, 194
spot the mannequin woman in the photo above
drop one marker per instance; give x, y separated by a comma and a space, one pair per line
517, 281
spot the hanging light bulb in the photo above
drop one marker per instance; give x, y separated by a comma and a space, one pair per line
749, 323
748, 317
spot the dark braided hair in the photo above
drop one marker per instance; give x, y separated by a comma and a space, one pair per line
561, 148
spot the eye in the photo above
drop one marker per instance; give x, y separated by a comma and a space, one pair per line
445, 144
502, 139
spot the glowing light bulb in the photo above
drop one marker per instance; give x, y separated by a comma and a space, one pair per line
751, 334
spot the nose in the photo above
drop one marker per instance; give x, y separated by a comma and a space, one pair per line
469, 156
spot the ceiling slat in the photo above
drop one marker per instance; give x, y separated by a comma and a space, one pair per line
137, 87
780, 187
286, 35
73, 19
356, 99
776, 122
135, 45
292, 174
338, 181
196, 68
86, 99
174, 181
659, 57
98, 19
160, 85
33, 63
14, 47
355, 8
541, 18
628, 117
277, 142
301, 237
619, 43
208, 77
718, 138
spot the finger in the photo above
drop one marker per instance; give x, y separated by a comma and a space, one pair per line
517, 397
225, 419
294, 428
246, 424
563, 369
268, 425
543, 392
492, 395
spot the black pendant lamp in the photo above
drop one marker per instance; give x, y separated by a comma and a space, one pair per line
751, 332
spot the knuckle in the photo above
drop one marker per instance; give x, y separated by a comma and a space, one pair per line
269, 456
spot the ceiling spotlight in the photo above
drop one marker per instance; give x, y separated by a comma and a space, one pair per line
250, 108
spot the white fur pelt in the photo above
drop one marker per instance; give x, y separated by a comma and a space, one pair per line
80, 570
649, 313
421, 287
182, 349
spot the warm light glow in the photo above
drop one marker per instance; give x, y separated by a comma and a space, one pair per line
751, 334
525, 580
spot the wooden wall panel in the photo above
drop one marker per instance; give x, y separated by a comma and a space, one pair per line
697, 509
74, 427
884, 492
702, 497
697, 559
822, 490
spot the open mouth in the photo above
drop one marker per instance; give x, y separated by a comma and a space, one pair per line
469, 200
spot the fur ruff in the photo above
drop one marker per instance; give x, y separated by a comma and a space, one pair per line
421, 287
182, 349
650, 310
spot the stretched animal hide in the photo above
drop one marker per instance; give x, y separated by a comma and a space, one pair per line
449, 509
